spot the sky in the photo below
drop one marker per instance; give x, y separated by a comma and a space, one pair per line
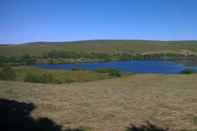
70, 20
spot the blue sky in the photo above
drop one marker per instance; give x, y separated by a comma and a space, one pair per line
69, 20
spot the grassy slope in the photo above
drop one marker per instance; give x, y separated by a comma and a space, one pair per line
61, 76
110, 105
106, 46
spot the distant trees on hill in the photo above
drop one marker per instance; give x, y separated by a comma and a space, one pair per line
61, 56
23, 60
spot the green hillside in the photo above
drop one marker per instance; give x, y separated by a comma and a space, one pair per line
101, 46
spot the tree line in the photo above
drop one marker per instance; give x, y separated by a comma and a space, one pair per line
60, 56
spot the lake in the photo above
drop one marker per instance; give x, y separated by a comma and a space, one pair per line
144, 66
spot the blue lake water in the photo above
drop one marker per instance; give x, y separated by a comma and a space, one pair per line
145, 66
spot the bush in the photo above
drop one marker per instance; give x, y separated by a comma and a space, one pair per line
187, 71
47, 78
1, 61
27, 60
32, 77
194, 120
7, 73
76, 69
39, 78
111, 72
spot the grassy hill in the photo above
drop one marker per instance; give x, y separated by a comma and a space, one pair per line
168, 101
101, 46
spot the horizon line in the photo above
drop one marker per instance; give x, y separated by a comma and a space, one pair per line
87, 40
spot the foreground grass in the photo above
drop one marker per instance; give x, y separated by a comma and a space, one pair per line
111, 105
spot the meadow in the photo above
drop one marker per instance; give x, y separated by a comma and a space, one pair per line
168, 101
101, 100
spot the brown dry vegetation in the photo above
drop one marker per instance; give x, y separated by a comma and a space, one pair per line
111, 105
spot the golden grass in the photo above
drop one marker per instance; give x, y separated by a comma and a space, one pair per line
110, 105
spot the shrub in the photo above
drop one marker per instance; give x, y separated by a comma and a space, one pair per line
7, 73
194, 120
76, 69
187, 71
32, 77
1, 61
111, 72
28, 60
39, 78
47, 78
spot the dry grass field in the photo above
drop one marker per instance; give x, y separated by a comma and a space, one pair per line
111, 105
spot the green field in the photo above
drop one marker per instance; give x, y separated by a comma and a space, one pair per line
101, 46
38, 75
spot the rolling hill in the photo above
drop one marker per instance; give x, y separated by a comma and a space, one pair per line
101, 46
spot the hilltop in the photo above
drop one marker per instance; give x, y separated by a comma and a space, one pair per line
100, 46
